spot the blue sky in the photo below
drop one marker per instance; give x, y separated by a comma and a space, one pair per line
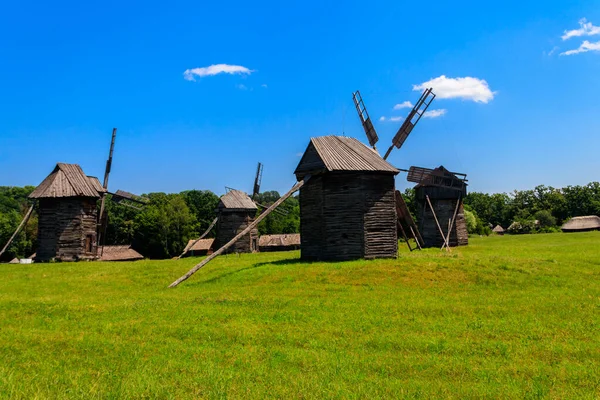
71, 71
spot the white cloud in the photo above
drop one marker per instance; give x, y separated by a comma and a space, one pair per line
382, 119
435, 113
554, 49
215, 69
467, 88
395, 119
583, 48
585, 29
264, 85
241, 86
404, 104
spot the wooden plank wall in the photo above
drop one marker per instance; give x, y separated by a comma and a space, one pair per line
381, 235
229, 225
63, 226
348, 215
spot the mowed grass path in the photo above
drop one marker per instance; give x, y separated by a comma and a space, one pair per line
506, 317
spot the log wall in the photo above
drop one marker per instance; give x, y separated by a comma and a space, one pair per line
229, 224
348, 215
67, 229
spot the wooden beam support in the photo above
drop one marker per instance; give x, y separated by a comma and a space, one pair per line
447, 242
25, 219
436, 220
253, 225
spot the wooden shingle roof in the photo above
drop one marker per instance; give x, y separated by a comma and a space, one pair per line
199, 245
67, 180
120, 253
236, 200
286, 239
340, 153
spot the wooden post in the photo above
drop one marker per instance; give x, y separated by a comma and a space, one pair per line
435, 217
262, 216
201, 237
25, 219
415, 236
452, 223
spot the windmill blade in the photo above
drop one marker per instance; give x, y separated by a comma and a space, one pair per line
365, 120
431, 177
101, 217
413, 117
257, 180
121, 195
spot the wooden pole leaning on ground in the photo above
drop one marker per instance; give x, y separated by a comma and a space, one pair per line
262, 216
436, 220
25, 219
201, 237
447, 243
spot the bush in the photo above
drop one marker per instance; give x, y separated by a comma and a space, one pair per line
545, 219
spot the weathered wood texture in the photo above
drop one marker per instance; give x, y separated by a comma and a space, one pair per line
230, 224
67, 229
444, 210
348, 215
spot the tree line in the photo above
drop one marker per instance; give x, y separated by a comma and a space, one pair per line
162, 228
542, 209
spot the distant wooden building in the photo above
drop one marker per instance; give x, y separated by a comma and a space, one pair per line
582, 224
347, 207
283, 242
67, 214
444, 202
498, 230
119, 253
197, 247
235, 212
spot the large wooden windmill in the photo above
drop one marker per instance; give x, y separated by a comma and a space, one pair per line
348, 200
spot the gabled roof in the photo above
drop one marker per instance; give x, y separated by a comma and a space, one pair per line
340, 153
236, 200
120, 253
286, 239
498, 229
586, 223
198, 245
67, 180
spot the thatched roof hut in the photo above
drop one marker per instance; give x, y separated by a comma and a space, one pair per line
582, 224
197, 247
282, 242
498, 230
67, 214
120, 253
235, 212
444, 202
347, 207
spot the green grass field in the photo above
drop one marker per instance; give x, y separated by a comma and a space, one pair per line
505, 317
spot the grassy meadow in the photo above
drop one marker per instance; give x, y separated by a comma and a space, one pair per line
506, 317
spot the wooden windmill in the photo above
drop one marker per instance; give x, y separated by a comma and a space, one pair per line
405, 221
70, 227
440, 194
348, 202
